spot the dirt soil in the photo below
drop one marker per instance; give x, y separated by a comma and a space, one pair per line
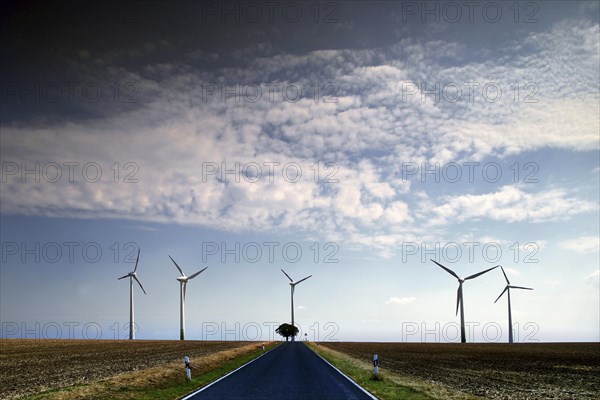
29, 366
498, 371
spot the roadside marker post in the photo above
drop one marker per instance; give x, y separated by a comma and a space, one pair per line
188, 369
376, 365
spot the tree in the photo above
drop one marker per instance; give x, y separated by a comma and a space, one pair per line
287, 331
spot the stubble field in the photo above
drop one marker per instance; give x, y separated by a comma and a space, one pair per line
29, 366
498, 371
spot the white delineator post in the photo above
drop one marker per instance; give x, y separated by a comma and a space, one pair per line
376, 365
188, 370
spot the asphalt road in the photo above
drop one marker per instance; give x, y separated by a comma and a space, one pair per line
290, 371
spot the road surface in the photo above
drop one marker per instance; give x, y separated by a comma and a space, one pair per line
290, 371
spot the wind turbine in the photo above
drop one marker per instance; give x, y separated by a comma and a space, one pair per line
132, 275
183, 280
293, 285
507, 290
459, 296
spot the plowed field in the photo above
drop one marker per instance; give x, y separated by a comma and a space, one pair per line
498, 371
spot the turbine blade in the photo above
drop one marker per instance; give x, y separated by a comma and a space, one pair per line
177, 266
184, 289
197, 273
520, 287
505, 277
480, 273
136, 260
458, 293
139, 283
303, 279
291, 280
447, 269
505, 289
123, 277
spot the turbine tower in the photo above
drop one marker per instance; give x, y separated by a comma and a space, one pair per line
507, 290
292, 286
183, 280
459, 296
132, 275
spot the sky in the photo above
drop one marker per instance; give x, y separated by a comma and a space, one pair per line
348, 140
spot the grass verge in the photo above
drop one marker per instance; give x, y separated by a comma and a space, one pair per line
389, 385
166, 381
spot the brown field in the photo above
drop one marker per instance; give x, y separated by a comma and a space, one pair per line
29, 366
499, 371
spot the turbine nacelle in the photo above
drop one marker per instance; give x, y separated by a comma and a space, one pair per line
133, 274
509, 286
292, 282
183, 278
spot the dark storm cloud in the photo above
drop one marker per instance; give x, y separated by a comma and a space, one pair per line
66, 52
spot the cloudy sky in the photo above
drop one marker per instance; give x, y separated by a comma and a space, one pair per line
352, 141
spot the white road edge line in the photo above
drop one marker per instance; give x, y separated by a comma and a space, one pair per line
195, 392
346, 376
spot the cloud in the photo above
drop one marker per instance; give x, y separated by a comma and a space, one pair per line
511, 271
400, 300
510, 204
594, 278
367, 133
583, 244
146, 228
